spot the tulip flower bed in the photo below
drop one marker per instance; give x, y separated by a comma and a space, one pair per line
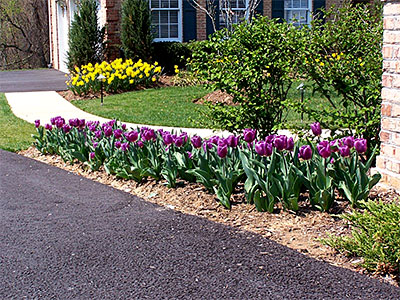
272, 170
119, 76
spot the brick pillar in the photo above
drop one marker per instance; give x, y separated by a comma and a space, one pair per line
388, 162
267, 8
201, 23
111, 15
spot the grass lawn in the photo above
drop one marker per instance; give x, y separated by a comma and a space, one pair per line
170, 106
15, 134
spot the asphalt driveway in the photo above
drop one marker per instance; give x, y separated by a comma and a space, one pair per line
32, 81
66, 237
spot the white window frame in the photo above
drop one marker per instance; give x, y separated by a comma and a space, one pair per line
180, 18
245, 8
309, 15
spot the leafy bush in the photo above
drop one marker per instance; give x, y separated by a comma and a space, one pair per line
343, 58
136, 34
170, 54
119, 76
272, 170
375, 237
255, 63
85, 38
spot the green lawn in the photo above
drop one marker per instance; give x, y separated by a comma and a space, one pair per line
15, 134
170, 106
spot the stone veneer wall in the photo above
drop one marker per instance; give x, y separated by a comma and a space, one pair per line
388, 163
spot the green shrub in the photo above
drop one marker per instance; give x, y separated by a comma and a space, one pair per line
170, 54
255, 63
343, 60
375, 237
85, 38
136, 34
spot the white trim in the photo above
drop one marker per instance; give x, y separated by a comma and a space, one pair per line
308, 9
180, 22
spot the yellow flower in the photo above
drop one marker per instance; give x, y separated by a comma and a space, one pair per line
176, 67
156, 63
317, 60
153, 79
131, 81
334, 55
176, 71
363, 63
140, 76
321, 64
157, 70
359, 59
77, 70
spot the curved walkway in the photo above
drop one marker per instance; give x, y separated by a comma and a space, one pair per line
45, 105
66, 237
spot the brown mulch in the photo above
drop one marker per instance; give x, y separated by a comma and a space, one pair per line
299, 231
215, 98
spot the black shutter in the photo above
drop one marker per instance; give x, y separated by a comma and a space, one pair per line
259, 8
278, 9
316, 8
210, 29
189, 22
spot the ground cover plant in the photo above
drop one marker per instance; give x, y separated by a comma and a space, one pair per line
15, 134
274, 169
375, 237
169, 106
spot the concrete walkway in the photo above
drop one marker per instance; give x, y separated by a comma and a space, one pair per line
45, 105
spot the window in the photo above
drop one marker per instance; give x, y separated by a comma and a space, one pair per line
298, 12
232, 12
166, 16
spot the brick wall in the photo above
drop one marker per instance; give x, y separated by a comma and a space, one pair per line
111, 10
388, 162
201, 24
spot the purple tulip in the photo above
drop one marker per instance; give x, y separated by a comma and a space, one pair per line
132, 136
74, 122
290, 144
123, 126
168, 139
222, 150
118, 133
196, 141
66, 128
207, 145
232, 141
48, 127
108, 131
60, 122
37, 123
249, 135
222, 142
305, 152
334, 145
178, 141
92, 155
117, 144
95, 144
140, 144
184, 136
360, 145
98, 134
344, 151
316, 128
214, 139
324, 149
348, 141
260, 148
53, 120
190, 155
270, 139
124, 146
81, 123
148, 135
280, 142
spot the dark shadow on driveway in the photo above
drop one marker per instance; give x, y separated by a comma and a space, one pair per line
32, 80
66, 237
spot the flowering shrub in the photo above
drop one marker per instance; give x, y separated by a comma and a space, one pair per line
119, 76
274, 169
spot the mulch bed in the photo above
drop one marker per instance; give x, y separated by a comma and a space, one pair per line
299, 231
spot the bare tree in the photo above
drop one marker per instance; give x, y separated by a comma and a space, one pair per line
230, 11
24, 34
